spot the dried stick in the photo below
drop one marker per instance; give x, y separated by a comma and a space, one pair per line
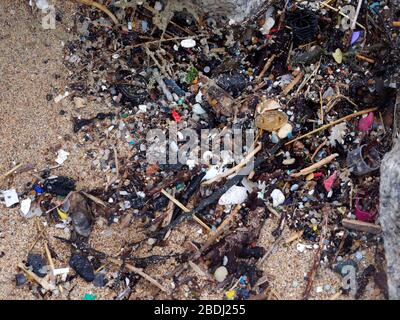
94, 199
292, 84
364, 58
45, 285
271, 249
315, 166
100, 7
5, 175
235, 168
266, 67
59, 205
314, 268
116, 168
325, 4
184, 209
353, 24
141, 273
319, 148
163, 40
221, 228
345, 118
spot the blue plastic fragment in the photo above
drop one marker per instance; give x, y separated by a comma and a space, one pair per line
171, 84
374, 7
243, 280
38, 189
354, 37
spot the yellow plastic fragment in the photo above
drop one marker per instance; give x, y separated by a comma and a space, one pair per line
62, 214
310, 176
338, 56
230, 294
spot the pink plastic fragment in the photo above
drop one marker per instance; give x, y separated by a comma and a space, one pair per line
366, 123
328, 183
363, 215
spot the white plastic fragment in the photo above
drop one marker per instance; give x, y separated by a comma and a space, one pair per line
235, 195
285, 130
269, 21
61, 96
10, 197
188, 43
59, 271
199, 97
221, 273
300, 247
142, 108
61, 156
197, 109
158, 6
319, 289
25, 206
213, 172
42, 4
277, 197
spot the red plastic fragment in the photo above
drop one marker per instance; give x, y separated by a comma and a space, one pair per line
317, 174
328, 183
176, 116
363, 215
366, 123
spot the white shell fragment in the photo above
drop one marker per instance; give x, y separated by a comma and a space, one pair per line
188, 43
10, 197
277, 197
235, 195
220, 274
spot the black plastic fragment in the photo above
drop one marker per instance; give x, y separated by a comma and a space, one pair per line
82, 267
60, 186
37, 263
304, 24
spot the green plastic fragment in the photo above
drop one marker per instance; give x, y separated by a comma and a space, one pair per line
89, 296
191, 74
180, 186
